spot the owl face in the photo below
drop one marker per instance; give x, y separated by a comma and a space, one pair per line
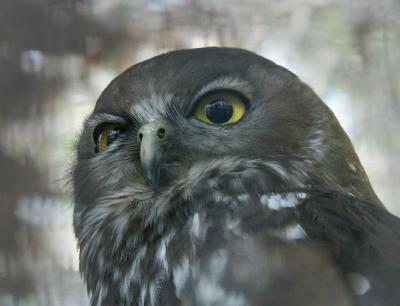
166, 116
201, 105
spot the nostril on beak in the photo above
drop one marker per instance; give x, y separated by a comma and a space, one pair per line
161, 133
140, 137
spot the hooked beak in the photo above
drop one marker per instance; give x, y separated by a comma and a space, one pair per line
152, 137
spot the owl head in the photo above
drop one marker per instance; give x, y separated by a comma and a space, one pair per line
162, 119
189, 125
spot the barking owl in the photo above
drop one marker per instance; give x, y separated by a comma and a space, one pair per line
214, 176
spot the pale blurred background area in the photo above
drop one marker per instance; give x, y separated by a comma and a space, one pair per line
56, 56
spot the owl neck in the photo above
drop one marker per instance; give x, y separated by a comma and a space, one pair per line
173, 258
129, 248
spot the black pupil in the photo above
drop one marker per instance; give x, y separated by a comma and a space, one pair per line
219, 111
114, 134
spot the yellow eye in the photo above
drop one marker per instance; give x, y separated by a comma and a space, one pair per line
106, 134
220, 108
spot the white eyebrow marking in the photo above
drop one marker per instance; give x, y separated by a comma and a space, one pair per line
102, 117
225, 82
151, 107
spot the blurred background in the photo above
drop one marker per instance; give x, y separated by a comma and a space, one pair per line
56, 56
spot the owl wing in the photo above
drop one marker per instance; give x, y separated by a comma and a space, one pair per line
364, 240
317, 249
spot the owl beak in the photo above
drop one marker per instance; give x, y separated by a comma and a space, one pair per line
152, 138
150, 160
